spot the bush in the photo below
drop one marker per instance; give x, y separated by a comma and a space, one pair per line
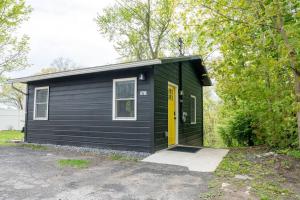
239, 131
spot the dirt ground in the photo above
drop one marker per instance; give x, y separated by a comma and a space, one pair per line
256, 173
35, 174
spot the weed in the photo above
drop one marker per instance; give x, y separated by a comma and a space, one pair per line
266, 183
294, 153
80, 164
269, 190
117, 156
290, 152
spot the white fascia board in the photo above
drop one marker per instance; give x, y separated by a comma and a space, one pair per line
86, 71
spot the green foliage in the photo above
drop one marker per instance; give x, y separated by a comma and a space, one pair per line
13, 50
7, 136
256, 59
211, 107
290, 152
75, 163
139, 29
239, 131
294, 153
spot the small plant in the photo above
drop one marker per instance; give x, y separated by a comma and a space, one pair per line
290, 152
239, 130
117, 156
75, 163
294, 153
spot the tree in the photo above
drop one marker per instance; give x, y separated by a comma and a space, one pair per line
59, 64
139, 29
13, 50
63, 64
12, 97
211, 106
257, 71
48, 70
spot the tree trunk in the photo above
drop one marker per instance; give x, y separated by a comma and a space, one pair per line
294, 66
297, 93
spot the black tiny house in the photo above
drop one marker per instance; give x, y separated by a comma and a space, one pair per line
138, 106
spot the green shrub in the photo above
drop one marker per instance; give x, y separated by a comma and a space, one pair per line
239, 131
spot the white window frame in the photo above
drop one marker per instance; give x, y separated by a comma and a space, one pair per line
195, 108
114, 117
34, 107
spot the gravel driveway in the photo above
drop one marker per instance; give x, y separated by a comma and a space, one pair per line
34, 174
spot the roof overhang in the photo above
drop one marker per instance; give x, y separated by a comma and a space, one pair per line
202, 73
85, 71
195, 60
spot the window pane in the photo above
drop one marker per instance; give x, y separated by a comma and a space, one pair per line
124, 108
125, 89
41, 95
192, 110
41, 110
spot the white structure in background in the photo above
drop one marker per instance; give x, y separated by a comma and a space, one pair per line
11, 119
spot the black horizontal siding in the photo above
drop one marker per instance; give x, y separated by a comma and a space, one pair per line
162, 74
189, 134
80, 113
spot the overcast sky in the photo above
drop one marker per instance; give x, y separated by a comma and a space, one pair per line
65, 28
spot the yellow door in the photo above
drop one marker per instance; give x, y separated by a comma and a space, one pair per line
171, 115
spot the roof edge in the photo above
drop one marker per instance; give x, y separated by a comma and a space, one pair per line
118, 66
85, 71
180, 59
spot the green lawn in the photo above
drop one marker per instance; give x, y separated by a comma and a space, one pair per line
75, 163
7, 136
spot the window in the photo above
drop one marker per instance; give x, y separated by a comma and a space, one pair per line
193, 108
124, 99
41, 98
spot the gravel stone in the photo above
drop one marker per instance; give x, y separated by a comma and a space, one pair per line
106, 152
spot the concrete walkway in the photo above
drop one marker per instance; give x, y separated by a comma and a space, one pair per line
205, 160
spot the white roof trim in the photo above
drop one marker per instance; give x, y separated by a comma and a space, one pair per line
86, 71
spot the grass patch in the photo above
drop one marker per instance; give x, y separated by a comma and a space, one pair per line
295, 153
7, 136
75, 163
266, 182
269, 190
117, 156
234, 164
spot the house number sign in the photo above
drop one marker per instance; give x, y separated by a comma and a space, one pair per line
143, 93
